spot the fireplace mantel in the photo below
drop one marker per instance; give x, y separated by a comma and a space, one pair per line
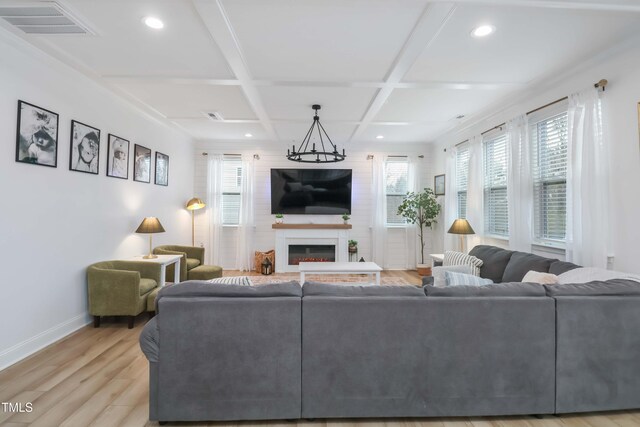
311, 226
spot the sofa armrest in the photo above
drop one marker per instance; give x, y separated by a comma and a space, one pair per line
113, 291
195, 252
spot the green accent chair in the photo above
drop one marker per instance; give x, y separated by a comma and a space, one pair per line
192, 265
120, 288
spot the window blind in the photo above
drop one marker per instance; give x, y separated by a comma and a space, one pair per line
396, 187
231, 188
549, 159
462, 179
496, 216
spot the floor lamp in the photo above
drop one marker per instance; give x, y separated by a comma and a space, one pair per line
462, 228
193, 205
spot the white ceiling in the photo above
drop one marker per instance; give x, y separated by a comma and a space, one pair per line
402, 69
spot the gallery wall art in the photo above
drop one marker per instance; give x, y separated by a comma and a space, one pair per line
37, 135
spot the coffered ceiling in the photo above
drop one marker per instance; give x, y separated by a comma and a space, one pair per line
401, 69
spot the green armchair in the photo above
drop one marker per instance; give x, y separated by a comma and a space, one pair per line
192, 265
120, 288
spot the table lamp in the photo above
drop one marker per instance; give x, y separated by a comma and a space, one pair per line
150, 225
461, 227
193, 205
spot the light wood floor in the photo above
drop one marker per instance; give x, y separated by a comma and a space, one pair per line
98, 377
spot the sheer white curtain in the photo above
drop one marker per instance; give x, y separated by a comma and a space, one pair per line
587, 182
214, 206
519, 184
475, 192
378, 211
450, 200
246, 223
412, 242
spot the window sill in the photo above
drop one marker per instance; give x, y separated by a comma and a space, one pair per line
497, 237
553, 247
397, 225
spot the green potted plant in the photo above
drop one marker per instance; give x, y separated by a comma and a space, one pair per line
422, 209
353, 246
346, 218
279, 218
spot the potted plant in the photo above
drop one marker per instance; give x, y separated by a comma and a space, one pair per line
346, 218
422, 209
353, 246
279, 218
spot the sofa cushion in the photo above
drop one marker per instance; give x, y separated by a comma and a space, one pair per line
617, 287
335, 290
197, 288
521, 263
593, 274
461, 279
192, 263
494, 261
494, 290
149, 339
540, 278
146, 285
558, 267
438, 278
204, 272
452, 258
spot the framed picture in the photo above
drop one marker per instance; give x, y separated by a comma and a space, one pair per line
118, 157
438, 185
162, 169
37, 135
141, 164
85, 148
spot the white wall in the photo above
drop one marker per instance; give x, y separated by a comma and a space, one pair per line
273, 156
56, 222
621, 66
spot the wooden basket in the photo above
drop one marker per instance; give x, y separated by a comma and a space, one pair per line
260, 257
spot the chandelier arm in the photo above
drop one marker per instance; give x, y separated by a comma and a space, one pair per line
327, 135
306, 138
321, 141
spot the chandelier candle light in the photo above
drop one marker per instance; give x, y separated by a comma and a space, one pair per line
323, 155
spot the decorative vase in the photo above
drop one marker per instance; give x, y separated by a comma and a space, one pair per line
353, 249
346, 221
279, 220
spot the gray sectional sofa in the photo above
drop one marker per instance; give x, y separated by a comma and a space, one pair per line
225, 352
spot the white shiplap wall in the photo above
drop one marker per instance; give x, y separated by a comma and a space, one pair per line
273, 157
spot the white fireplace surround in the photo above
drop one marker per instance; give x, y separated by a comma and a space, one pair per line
286, 237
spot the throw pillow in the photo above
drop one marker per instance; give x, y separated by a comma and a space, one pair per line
232, 280
459, 258
461, 279
438, 273
541, 278
591, 274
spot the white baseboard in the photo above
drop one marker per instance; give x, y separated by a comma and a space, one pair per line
29, 346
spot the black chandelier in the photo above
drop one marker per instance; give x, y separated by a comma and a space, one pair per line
304, 155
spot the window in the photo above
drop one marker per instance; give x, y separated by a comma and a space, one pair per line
396, 171
231, 188
496, 219
549, 160
462, 178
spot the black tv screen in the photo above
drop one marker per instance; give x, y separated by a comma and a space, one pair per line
311, 191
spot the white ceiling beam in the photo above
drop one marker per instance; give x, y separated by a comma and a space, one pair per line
144, 79
217, 22
600, 5
433, 18
306, 121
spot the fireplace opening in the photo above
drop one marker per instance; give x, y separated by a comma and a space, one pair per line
311, 253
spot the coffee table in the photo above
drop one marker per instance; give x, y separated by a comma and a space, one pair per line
370, 268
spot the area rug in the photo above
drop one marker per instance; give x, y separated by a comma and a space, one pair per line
349, 279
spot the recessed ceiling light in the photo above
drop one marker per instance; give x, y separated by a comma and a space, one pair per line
483, 31
380, 137
153, 22
248, 135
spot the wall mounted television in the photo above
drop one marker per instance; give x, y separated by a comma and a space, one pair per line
311, 191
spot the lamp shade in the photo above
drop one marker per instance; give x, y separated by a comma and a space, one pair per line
150, 224
195, 204
461, 226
